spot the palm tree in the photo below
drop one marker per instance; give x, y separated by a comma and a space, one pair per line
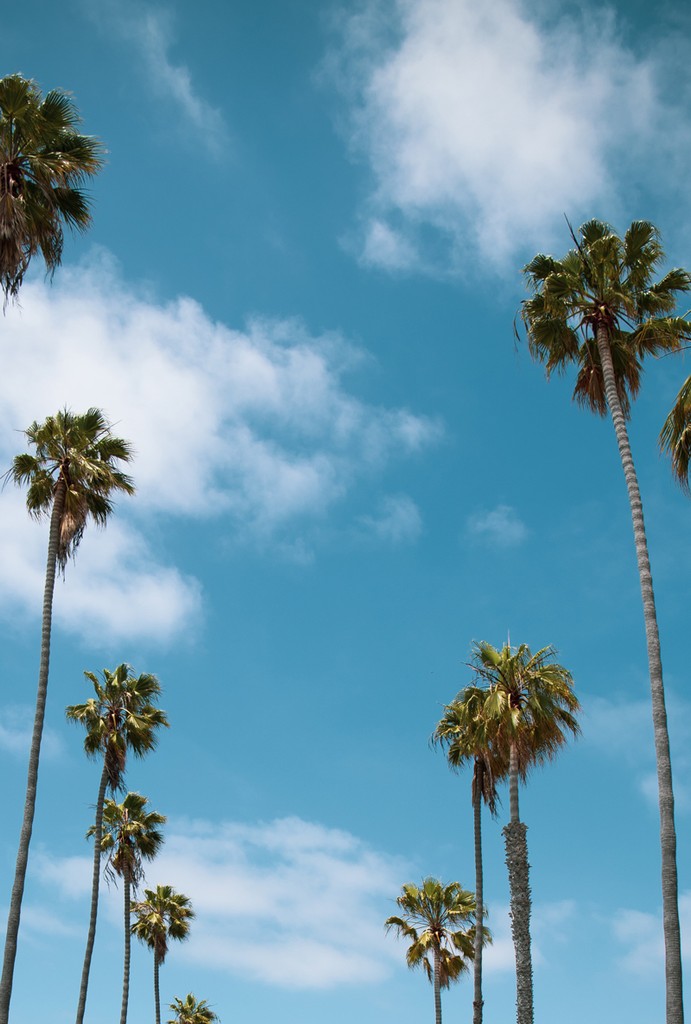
463, 731
163, 914
121, 717
44, 161
675, 436
600, 308
192, 1011
71, 477
130, 835
436, 918
529, 708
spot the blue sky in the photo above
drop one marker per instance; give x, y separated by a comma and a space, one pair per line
297, 302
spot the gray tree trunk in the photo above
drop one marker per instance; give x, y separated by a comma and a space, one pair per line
15, 909
95, 882
479, 893
128, 944
519, 888
668, 836
437, 987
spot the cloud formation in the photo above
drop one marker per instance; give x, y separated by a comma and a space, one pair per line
255, 425
488, 122
398, 520
500, 526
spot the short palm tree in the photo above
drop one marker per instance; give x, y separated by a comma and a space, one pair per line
44, 162
192, 1011
439, 921
130, 835
163, 914
121, 717
601, 309
463, 732
72, 477
530, 707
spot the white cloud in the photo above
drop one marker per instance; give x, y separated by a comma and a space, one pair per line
267, 897
16, 727
256, 425
397, 522
641, 935
487, 123
500, 526
149, 31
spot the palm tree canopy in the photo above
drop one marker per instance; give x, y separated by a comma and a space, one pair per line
163, 914
465, 732
192, 1011
675, 436
437, 918
131, 834
530, 701
44, 162
609, 282
122, 716
80, 452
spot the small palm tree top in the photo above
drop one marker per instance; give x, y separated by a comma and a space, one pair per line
162, 914
121, 717
44, 162
192, 1011
438, 919
604, 281
79, 451
131, 834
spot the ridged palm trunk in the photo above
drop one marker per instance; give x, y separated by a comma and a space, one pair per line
519, 889
668, 838
479, 891
126, 884
95, 884
437, 987
15, 909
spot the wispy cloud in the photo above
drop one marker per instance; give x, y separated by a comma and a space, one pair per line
266, 898
256, 425
487, 122
500, 526
16, 725
149, 31
398, 520
641, 936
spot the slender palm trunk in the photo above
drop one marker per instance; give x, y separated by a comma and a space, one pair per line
668, 837
437, 987
128, 941
479, 894
519, 888
157, 996
95, 882
15, 910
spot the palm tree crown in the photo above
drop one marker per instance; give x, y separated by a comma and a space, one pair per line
163, 914
44, 162
75, 454
192, 1011
675, 436
130, 836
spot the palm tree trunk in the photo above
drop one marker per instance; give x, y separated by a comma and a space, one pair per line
15, 909
519, 888
479, 894
157, 996
95, 881
668, 837
437, 987
128, 941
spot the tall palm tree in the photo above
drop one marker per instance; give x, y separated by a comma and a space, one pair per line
463, 732
192, 1011
130, 835
601, 308
121, 717
163, 914
675, 436
71, 478
530, 707
44, 162
437, 920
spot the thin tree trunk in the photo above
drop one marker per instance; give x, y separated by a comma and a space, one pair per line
479, 894
668, 837
519, 888
95, 881
15, 909
157, 997
437, 988
128, 942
